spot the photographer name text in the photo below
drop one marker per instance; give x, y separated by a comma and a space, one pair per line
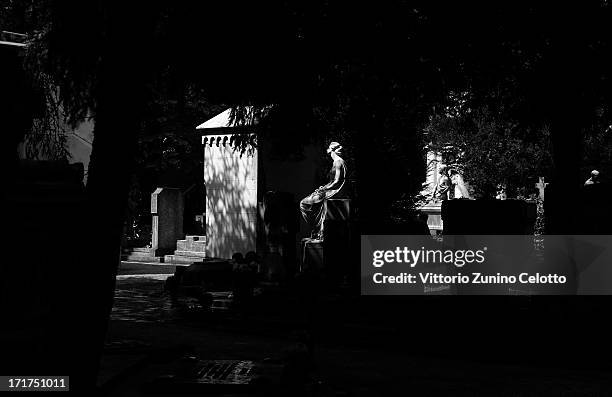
472, 278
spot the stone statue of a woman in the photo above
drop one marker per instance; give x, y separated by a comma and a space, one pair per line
312, 206
460, 189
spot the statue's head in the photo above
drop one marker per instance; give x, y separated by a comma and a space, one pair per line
334, 148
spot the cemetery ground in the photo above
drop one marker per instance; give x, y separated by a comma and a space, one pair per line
345, 345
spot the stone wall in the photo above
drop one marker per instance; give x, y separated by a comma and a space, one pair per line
433, 165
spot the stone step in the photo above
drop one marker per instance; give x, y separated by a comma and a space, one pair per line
180, 259
190, 253
147, 250
140, 258
142, 249
138, 253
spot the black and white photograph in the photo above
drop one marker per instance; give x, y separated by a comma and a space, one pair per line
306, 198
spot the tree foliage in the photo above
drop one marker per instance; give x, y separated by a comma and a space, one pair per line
491, 150
371, 77
47, 138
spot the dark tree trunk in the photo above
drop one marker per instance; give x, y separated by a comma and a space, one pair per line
107, 191
120, 104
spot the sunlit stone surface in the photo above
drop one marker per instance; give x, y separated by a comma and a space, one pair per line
231, 197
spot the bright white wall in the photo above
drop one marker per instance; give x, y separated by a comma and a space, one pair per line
231, 198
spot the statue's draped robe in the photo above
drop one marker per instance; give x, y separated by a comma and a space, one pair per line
312, 206
460, 190
442, 189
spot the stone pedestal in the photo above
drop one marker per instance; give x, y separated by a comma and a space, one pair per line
312, 256
434, 217
167, 228
337, 237
190, 250
331, 256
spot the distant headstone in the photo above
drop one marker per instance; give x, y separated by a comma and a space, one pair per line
167, 210
541, 185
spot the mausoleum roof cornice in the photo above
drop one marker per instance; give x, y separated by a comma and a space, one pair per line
221, 139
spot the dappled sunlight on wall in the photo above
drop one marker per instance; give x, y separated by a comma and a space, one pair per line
231, 197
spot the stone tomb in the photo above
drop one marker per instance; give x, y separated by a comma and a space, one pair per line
433, 207
237, 184
166, 226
